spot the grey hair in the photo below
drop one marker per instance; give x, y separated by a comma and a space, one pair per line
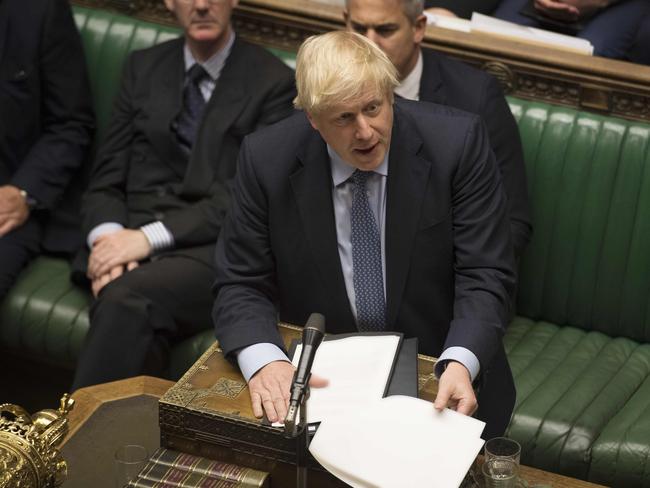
412, 8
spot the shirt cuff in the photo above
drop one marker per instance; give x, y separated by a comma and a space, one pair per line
461, 354
253, 358
100, 230
158, 236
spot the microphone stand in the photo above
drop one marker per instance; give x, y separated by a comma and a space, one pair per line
302, 444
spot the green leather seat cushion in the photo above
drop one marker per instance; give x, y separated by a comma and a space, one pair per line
578, 394
46, 317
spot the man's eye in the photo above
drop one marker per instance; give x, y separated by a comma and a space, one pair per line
373, 108
385, 31
359, 29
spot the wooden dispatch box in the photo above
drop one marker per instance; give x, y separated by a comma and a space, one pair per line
209, 413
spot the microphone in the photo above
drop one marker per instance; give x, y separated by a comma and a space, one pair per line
312, 336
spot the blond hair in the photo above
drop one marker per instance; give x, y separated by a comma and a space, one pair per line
339, 67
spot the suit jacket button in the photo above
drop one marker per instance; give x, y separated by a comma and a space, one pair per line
159, 215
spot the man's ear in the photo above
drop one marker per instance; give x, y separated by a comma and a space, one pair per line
313, 122
419, 28
346, 16
170, 5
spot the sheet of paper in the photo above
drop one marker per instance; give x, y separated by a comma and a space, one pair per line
358, 369
399, 441
452, 23
502, 28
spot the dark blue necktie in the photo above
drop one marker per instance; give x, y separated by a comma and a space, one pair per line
193, 104
366, 259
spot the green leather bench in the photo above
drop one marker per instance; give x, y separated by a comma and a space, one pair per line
579, 345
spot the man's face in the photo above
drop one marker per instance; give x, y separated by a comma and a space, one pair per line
359, 131
384, 23
206, 22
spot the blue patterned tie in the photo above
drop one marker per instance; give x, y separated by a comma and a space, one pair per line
193, 105
366, 259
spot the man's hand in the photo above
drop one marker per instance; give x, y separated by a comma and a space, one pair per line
117, 248
270, 389
557, 9
14, 210
99, 283
588, 8
455, 390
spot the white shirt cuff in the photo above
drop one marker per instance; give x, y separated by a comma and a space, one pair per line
253, 358
158, 236
461, 354
100, 230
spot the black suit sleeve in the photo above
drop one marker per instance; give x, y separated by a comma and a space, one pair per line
246, 286
506, 144
484, 261
105, 198
201, 222
66, 110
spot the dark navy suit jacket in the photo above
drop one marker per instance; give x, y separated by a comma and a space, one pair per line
449, 82
450, 267
46, 116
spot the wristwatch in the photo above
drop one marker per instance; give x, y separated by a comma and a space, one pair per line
29, 200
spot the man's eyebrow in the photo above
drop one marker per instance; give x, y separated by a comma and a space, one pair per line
386, 26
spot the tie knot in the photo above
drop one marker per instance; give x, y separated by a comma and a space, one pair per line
196, 73
359, 178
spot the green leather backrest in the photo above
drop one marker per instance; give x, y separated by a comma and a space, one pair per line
588, 263
107, 39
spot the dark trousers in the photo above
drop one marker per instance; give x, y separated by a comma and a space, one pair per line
17, 248
137, 317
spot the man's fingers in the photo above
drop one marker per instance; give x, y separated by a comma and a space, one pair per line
256, 400
442, 398
316, 381
269, 408
116, 272
132, 265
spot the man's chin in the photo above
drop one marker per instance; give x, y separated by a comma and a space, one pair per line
205, 33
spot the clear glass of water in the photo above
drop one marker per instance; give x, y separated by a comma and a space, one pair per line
503, 447
500, 473
129, 460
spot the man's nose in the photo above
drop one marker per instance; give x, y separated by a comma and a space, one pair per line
201, 4
372, 35
364, 131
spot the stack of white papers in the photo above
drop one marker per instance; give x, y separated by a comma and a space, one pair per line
358, 369
498, 27
369, 441
509, 30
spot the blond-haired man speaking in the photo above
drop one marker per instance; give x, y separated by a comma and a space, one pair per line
381, 215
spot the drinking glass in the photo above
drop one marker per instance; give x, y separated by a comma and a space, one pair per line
500, 472
129, 460
502, 447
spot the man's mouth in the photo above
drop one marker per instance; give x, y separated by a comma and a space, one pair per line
366, 150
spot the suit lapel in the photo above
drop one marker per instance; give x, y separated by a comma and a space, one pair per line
431, 86
226, 103
408, 176
312, 189
166, 102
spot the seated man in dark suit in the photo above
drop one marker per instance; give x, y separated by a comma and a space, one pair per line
380, 216
397, 27
158, 191
46, 125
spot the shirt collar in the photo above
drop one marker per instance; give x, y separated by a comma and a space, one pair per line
409, 88
215, 63
341, 171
